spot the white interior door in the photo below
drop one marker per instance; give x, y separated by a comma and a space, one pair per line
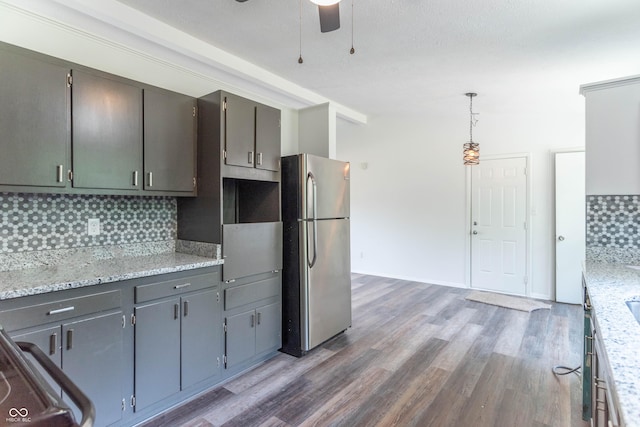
498, 226
570, 226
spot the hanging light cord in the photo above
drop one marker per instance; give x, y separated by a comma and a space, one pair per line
352, 51
300, 60
470, 118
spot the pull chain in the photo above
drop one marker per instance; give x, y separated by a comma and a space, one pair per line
352, 51
300, 60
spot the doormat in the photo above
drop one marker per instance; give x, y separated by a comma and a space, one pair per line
507, 301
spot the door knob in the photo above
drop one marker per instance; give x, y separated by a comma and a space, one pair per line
475, 232
561, 238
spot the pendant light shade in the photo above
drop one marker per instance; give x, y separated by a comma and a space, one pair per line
325, 2
471, 150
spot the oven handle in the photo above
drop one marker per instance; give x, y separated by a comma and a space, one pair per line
76, 395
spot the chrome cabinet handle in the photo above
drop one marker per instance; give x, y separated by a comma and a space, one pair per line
59, 173
60, 310
253, 320
69, 339
259, 159
176, 311
135, 178
184, 285
250, 159
185, 308
150, 179
53, 343
259, 317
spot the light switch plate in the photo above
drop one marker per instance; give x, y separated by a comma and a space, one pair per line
93, 226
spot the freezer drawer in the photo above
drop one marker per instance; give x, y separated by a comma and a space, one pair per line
249, 249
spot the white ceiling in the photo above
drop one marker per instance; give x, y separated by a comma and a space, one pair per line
421, 56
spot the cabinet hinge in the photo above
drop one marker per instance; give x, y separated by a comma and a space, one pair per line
70, 175
217, 296
133, 319
218, 360
194, 111
133, 401
124, 405
224, 154
224, 359
224, 327
69, 79
124, 321
194, 182
224, 105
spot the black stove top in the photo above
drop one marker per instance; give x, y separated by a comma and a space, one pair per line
25, 397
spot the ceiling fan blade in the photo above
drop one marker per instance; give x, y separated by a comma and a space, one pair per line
329, 17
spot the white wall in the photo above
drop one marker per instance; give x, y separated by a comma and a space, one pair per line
408, 194
613, 138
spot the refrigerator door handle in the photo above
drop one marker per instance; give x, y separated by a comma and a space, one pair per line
314, 219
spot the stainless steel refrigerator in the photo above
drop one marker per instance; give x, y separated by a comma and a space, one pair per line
316, 285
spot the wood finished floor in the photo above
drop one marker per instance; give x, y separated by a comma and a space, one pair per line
417, 355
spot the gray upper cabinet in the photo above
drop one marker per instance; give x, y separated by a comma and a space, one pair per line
169, 141
251, 134
34, 121
268, 139
107, 132
239, 131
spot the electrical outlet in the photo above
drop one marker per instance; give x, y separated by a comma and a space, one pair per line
93, 226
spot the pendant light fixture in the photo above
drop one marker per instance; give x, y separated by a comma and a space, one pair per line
471, 150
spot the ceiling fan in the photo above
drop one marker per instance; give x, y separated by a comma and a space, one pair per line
329, 11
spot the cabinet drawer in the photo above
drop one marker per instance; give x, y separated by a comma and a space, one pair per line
58, 310
251, 248
175, 287
252, 292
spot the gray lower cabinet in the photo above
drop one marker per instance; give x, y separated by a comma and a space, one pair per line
34, 121
253, 318
177, 345
251, 333
89, 351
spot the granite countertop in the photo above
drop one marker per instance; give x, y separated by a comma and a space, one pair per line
610, 285
84, 272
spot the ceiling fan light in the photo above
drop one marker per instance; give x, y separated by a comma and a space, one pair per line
325, 2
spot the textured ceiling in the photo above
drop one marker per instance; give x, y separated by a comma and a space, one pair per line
421, 56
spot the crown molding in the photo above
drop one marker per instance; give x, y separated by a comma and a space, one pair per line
92, 33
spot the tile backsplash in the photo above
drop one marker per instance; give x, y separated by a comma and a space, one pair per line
36, 222
613, 228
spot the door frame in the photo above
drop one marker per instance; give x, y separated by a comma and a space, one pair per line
528, 231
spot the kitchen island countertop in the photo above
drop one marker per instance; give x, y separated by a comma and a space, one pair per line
610, 285
70, 275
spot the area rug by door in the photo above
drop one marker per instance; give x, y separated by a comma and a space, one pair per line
507, 301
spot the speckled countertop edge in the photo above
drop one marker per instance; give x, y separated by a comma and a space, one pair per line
70, 275
610, 285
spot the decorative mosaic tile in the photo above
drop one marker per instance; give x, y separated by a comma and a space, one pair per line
613, 221
38, 222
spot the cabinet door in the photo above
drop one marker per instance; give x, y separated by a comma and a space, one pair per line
240, 338
201, 337
157, 351
169, 141
268, 144
239, 131
268, 327
107, 133
47, 340
34, 121
92, 358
